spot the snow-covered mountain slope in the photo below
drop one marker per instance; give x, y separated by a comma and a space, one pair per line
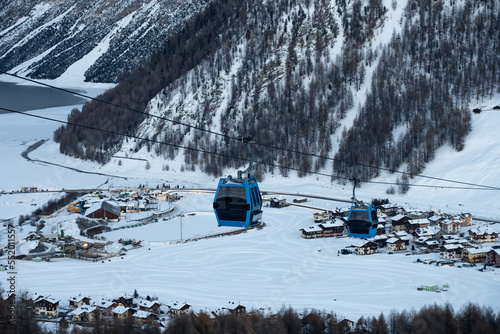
98, 41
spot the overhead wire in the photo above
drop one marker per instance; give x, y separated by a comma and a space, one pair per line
68, 123
475, 185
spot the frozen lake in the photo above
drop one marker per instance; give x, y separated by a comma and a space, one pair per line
24, 98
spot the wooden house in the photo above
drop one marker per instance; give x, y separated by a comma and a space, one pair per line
126, 300
122, 312
105, 306
451, 251
103, 210
238, 310
414, 224
474, 255
395, 244
366, 248
176, 310
493, 257
46, 306
322, 217
142, 316
152, 306
465, 219
278, 202
86, 313
77, 301
345, 326
399, 222
435, 220
481, 235
335, 228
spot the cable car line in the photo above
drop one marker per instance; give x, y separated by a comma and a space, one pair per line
477, 187
259, 144
119, 106
263, 145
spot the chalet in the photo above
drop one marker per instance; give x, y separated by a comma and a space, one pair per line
435, 220
278, 202
322, 217
152, 306
412, 225
333, 229
481, 235
395, 244
399, 222
345, 326
451, 251
177, 310
105, 306
450, 226
126, 300
388, 209
493, 257
46, 306
401, 235
238, 310
103, 210
86, 313
122, 312
432, 232
417, 215
431, 245
474, 255
145, 317
380, 240
366, 248
465, 219
311, 232
77, 301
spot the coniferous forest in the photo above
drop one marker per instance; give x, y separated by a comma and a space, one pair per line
287, 71
442, 319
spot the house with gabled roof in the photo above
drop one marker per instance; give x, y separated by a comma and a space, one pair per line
142, 316
395, 244
334, 228
103, 210
176, 310
46, 306
451, 251
86, 313
122, 312
366, 248
105, 306
450, 226
77, 301
481, 235
152, 306
432, 232
493, 257
435, 220
474, 255
398, 222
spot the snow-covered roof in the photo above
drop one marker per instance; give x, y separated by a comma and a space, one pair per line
143, 314
398, 217
83, 309
393, 240
104, 303
148, 303
478, 250
120, 309
315, 228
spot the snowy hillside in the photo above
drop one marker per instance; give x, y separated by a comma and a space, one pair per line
98, 41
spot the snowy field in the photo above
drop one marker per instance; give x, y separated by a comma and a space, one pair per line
265, 268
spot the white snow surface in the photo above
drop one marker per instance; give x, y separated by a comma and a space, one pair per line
265, 268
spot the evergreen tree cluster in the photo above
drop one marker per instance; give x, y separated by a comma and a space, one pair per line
445, 57
288, 91
471, 318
